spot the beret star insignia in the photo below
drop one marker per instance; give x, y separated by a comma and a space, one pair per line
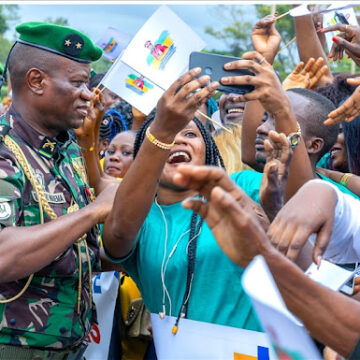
73, 44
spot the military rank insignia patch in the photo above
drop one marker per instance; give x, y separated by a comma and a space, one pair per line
73, 44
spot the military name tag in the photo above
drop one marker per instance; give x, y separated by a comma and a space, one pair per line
5, 210
56, 198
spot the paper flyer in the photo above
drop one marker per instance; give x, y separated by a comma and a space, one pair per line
132, 87
200, 340
160, 50
113, 42
290, 339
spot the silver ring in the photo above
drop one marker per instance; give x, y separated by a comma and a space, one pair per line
262, 60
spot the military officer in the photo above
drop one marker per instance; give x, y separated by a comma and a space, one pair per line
48, 237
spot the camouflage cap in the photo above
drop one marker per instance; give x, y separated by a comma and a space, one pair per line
60, 40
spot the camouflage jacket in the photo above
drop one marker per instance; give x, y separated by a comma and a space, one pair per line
45, 316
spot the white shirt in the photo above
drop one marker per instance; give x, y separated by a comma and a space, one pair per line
344, 244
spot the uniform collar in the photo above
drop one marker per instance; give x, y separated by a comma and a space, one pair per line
46, 146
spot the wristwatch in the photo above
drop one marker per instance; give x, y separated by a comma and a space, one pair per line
295, 137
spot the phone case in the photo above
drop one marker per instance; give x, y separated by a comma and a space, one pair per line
213, 65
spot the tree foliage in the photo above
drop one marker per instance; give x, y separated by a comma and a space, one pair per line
237, 31
58, 21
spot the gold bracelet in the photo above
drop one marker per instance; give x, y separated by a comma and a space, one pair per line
157, 142
91, 148
345, 178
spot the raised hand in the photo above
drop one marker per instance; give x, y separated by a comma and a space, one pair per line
306, 76
350, 109
178, 104
265, 38
348, 40
86, 133
275, 175
268, 89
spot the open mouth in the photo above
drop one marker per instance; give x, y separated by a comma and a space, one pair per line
334, 152
178, 157
236, 111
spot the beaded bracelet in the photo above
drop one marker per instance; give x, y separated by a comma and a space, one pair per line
157, 142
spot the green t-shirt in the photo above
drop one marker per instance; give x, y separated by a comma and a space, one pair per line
216, 295
250, 182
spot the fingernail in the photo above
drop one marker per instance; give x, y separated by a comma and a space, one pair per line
215, 85
320, 30
335, 39
225, 80
227, 66
319, 258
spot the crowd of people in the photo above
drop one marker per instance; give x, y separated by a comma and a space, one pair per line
178, 205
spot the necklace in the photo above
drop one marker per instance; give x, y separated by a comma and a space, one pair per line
195, 230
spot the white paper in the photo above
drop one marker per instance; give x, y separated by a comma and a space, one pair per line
290, 340
329, 275
302, 10
105, 288
199, 340
113, 42
170, 41
132, 87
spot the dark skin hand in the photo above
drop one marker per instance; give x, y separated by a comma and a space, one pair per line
269, 92
276, 172
26, 250
350, 109
306, 76
133, 200
348, 41
324, 313
266, 41
294, 223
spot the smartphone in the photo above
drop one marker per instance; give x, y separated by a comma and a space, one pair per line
213, 65
348, 288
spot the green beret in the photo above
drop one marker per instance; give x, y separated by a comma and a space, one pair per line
60, 40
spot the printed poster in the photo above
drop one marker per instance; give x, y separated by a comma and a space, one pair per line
132, 86
200, 340
113, 42
161, 48
289, 337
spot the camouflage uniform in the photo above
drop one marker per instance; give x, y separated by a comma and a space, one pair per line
45, 316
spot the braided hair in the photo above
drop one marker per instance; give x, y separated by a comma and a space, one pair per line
212, 153
212, 157
111, 124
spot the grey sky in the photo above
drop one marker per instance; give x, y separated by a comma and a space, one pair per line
94, 19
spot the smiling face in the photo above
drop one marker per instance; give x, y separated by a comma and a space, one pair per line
189, 148
119, 154
338, 153
231, 112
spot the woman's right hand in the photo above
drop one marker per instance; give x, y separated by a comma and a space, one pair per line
179, 103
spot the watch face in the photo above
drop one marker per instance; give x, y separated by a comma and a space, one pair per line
294, 140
